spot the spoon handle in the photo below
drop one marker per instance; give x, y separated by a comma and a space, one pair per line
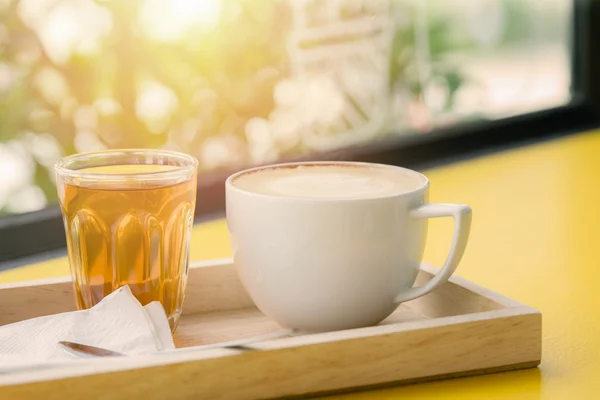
87, 351
240, 343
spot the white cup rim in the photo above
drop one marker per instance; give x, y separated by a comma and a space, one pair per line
230, 186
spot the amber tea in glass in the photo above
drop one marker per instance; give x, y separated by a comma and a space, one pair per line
128, 217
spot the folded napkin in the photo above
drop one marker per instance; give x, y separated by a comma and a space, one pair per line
119, 323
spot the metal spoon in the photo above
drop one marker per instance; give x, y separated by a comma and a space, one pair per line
87, 351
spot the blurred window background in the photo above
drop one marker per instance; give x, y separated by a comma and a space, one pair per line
244, 82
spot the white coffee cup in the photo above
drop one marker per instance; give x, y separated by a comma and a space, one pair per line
317, 261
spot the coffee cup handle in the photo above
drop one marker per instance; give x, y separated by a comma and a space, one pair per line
462, 227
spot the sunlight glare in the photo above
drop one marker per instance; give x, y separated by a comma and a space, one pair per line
215, 152
155, 105
170, 20
67, 27
16, 168
44, 147
26, 199
88, 141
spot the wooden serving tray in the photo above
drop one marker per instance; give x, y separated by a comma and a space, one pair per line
460, 329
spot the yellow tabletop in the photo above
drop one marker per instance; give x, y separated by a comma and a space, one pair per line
535, 238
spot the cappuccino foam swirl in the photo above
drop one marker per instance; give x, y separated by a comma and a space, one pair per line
330, 181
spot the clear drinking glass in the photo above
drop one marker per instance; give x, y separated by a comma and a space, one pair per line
128, 217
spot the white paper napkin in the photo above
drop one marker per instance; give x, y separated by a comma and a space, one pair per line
118, 322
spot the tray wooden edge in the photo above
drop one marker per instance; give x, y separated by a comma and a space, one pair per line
116, 365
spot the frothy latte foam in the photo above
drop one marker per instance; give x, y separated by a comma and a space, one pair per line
333, 181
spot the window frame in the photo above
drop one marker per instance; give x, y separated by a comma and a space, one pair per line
38, 232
